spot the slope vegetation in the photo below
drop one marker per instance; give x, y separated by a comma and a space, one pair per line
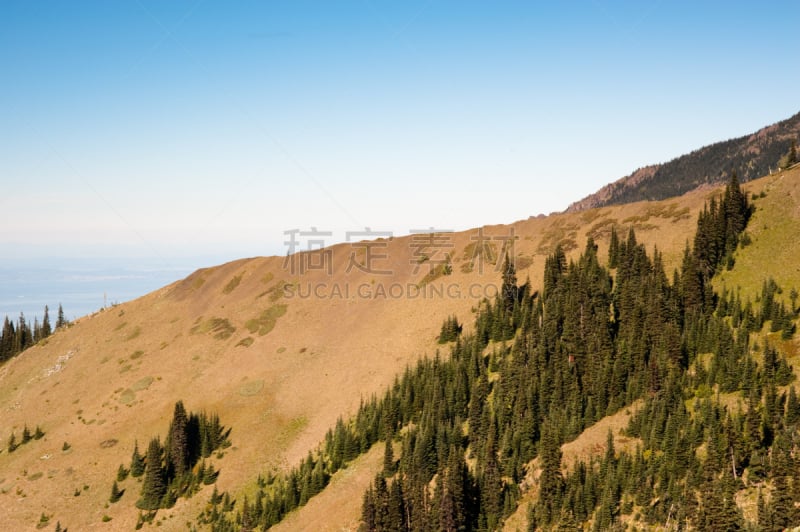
278, 354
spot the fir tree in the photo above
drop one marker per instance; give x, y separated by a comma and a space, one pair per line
137, 462
154, 485
388, 459
46, 328
177, 441
60, 320
509, 288
116, 493
122, 473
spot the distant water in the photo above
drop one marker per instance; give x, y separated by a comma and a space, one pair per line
82, 286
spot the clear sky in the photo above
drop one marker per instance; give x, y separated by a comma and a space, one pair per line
199, 128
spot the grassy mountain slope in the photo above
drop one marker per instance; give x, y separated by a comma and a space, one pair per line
773, 230
750, 156
113, 377
753, 263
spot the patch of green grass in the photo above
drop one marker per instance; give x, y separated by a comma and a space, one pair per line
251, 388
275, 292
560, 232
120, 326
772, 252
198, 282
440, 270
292, 429
480, 251
245, 342
266, 321
134, 333
602, 229
232, 284
136, 354
127, 396
221, 328
281, 350
35, 476
267, 278
142, 384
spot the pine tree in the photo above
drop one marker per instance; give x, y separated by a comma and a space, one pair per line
46, 329
388, 459
790, 158
509, 289
368, 512
24, 336
395, 516
613, 249
8, 340
116, 493
60, 321
177, 441
154, 486
137, 462
551, 482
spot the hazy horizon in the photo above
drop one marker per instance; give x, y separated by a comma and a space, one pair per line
174, 130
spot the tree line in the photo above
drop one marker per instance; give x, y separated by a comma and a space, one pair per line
16, 338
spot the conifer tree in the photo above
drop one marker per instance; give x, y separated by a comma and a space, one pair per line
137, 462
24, 337
60, 320
116, 493
388, 459
613, 249
8, 340
154, 485
509, 289
177, 441
46, 328
551, 482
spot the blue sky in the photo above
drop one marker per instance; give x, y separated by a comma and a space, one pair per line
179, 129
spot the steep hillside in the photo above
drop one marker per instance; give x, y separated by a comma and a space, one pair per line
112, 378
771, 207
750, 156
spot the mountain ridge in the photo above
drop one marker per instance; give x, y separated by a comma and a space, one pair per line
750, 156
